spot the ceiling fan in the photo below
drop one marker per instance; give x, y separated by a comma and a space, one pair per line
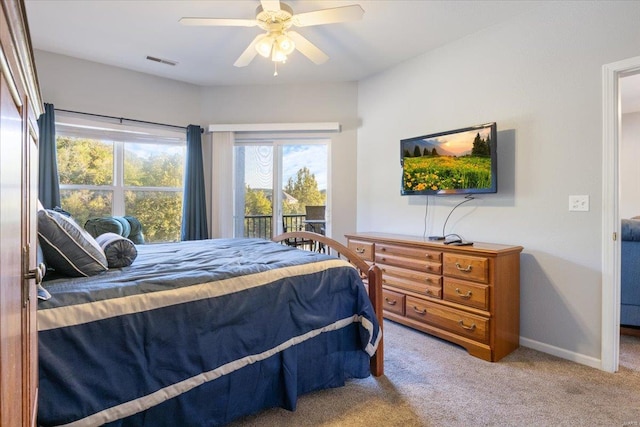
279, 41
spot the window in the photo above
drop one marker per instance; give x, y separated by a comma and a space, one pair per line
105, 171
297, 168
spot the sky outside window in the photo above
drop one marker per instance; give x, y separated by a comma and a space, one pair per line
259, 163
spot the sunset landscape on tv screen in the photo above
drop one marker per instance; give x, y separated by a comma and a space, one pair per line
450, 162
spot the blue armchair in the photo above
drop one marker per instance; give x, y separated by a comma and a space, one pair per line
630, 273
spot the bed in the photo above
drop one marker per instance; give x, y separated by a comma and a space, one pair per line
202, 333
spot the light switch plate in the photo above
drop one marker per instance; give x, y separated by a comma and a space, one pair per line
579, 203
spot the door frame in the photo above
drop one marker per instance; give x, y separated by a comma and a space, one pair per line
611, 118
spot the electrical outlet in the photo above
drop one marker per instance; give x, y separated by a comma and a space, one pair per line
579, 203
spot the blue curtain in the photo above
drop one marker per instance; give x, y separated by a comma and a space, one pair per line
48, 181
194, 210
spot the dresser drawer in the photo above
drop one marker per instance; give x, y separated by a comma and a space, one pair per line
409, 252
389, 271
364, 249
393, 301
419, 288
467, 293
421, 283
457, 321
417, 264
466, 267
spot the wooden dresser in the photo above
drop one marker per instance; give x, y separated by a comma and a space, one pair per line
469, 295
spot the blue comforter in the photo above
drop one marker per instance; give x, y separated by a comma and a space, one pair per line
164, 336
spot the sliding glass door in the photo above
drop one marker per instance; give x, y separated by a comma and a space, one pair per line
299, 172
253, 208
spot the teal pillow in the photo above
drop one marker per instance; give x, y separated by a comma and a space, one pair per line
98, 226
126, 226
135, 235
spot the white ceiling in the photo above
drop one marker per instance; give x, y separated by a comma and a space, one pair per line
122, 33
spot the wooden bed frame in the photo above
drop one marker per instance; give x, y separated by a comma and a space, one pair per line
371, 275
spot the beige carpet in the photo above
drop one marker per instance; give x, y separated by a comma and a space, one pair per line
430, 382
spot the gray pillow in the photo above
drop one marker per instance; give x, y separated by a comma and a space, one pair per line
120, 251
67, 247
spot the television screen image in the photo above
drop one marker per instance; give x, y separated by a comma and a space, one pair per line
461, 161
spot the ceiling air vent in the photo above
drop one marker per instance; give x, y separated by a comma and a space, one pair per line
162, 61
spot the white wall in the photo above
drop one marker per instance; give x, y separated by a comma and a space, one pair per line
79, 85
539, 78
629, 165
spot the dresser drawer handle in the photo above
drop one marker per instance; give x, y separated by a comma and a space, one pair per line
390, 302
466, 270
461, 295
360, 250
423, 311
428, 292
468, 328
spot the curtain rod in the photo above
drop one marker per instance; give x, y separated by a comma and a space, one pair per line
121, 119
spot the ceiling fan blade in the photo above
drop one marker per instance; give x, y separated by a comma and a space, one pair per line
307, 48
270, 5
249, 53
328, 16
223, 22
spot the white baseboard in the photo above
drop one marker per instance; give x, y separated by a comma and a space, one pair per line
562, 353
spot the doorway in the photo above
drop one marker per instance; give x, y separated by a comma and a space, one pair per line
611, 75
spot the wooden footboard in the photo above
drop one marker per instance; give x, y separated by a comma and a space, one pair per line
370, 273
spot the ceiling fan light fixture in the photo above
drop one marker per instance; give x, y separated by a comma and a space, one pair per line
285, 44
277, 55
276, 45
264, 46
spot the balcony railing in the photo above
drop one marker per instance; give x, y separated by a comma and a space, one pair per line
261, 225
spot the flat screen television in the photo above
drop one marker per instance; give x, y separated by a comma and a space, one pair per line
460, 161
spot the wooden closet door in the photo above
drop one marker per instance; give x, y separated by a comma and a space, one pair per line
18, 195
29, 260
19, 107
11, 298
